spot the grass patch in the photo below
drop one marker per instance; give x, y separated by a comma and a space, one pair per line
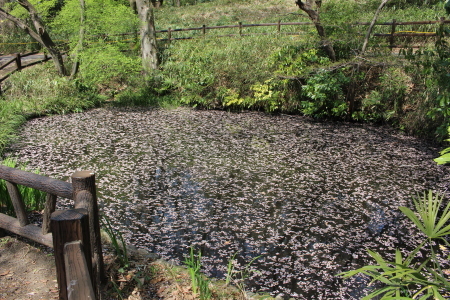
34, 199
39, 91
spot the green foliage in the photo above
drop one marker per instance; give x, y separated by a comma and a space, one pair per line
230, 269
385, 101
39, 91
106, 67
267, 94
207, 71
34, 199
324, 91
445, 154
103, 17
238, 278
431, 220
10, 120
293, 60
115, 236
104, 63
200, 284
409, 3
419, 275
429, 71
47, 9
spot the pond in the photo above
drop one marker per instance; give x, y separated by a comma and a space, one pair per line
309, 197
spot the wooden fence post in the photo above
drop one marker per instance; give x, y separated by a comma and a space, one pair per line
204, 30
18, 61
17, 202
68, 226
392, 37
240, 28
169, 33
50, 206
441, 29
85, 196
279, 26
78, 278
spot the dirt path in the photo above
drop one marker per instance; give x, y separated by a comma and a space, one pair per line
26, 271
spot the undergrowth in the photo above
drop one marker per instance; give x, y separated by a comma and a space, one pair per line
33, 199
38, 91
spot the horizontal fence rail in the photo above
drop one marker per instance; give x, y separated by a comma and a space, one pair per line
36, 181
204, 29
279, 24
17, 60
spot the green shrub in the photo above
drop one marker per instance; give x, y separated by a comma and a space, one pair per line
202, 71
325, 95
107, 68
103, 18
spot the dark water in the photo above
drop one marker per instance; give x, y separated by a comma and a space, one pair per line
309, 197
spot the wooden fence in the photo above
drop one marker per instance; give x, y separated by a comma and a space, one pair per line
204, 29
392, 35
17, 61
73, 234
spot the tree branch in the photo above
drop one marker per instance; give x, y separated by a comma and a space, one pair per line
369, 31
40, 35
21, 25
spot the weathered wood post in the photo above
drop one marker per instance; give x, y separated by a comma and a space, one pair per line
18, 204
78, 278
279, 26
169, 33
441, 31
85, 196
50, 206
18, 61
392, 37
69, 226
204, 30
240, 28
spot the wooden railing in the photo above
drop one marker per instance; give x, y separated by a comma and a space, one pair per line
73, 234
17, 61
204, 29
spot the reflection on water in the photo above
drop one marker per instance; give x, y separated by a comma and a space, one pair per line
309, 197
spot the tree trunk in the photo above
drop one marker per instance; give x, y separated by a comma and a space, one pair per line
79, 46
40, 35
314, 16
133, 6
369, 31
148, 35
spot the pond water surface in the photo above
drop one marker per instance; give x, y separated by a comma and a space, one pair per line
309, 197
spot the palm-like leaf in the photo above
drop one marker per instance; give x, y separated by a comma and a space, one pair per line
402, 277
428, 220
